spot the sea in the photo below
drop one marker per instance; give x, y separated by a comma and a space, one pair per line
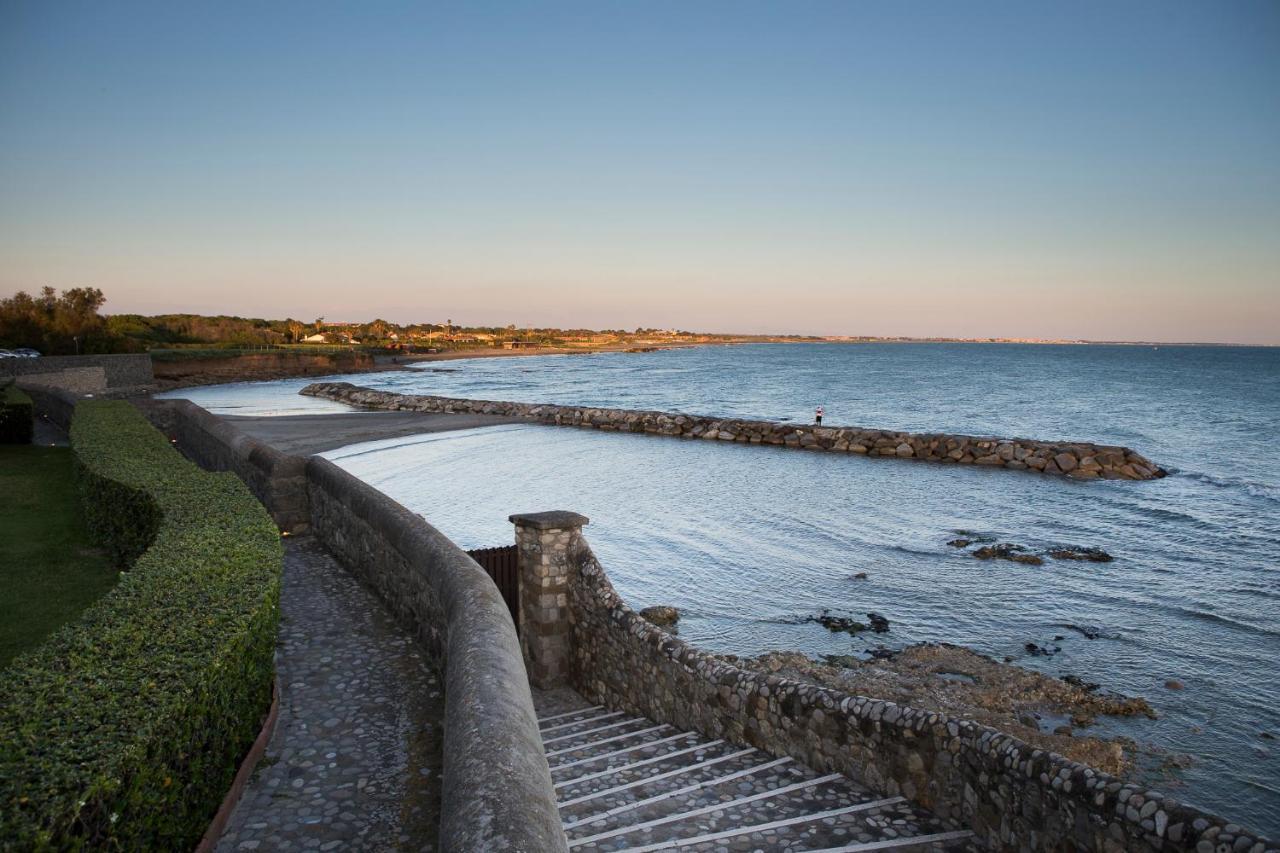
748, 541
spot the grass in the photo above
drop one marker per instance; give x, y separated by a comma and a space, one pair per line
49, 569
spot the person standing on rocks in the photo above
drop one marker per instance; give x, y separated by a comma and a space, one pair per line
817, 416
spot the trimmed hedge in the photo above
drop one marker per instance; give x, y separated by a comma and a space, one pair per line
124, 731
16, 416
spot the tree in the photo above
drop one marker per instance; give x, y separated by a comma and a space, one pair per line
58, 325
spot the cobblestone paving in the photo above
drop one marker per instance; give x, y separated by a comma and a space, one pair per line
355, 760
626, 783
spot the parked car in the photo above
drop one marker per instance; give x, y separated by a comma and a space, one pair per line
26, 352
4, 353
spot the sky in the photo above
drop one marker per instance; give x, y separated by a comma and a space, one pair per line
1107, 170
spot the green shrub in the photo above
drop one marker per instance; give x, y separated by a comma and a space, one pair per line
124, 731
16, 416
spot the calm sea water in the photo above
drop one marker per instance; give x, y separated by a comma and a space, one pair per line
744, 540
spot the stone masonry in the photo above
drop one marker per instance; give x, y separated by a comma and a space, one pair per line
1013, 796
1078, 460
545, 541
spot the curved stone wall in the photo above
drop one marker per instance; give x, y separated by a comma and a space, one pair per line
498, 793
1014, 796
1080, 460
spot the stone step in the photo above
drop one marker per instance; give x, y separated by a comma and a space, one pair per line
626, 783
663, 779
657, 774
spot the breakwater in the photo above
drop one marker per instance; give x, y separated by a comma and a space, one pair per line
1078, 460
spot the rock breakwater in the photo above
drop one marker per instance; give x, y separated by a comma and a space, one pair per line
1078, 460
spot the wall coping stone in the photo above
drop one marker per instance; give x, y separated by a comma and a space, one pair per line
551, 520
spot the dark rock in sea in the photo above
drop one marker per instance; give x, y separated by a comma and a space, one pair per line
837, 624
1008, 551
1093, 632
1065, 731
860, 576
1058, 638
1037, 651
1071, 552
1266, 735
661, 615
1077, 681
879, 624
1174, 684
960, 543
882, 653
1081, 720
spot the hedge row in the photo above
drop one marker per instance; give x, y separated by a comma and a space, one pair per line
124, 731
16, 416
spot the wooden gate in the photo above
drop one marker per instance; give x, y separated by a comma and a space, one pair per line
503, 565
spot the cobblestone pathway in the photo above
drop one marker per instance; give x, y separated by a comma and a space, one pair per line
627, 783
354, 763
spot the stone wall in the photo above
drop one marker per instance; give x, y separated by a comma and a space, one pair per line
277, 479
498, 793
497, 788
1015, 797
1080, 460
83, 374
54, 403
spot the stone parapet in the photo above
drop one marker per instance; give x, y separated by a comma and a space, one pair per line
1013, 796
498, 793
1078, 460
276, 479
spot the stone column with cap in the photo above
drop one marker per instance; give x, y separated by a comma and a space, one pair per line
547, 542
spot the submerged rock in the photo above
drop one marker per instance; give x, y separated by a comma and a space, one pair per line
1077, 681
837, 624
1008, 551
860, 576
1093, 632
879, 624
1092, 555
661, 615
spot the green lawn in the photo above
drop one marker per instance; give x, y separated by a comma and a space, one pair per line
49, 570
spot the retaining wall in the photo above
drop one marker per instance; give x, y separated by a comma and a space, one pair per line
83, 373
498, 793
277, 479
1014, 796
1080, 460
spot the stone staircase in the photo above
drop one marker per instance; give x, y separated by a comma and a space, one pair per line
626, 783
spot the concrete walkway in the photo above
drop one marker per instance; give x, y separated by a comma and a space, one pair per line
626, 783
355, 760
304, 435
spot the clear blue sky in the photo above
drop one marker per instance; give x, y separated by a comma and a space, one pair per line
1098, 170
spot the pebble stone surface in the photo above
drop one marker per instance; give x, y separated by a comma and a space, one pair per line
355, 759
588, 790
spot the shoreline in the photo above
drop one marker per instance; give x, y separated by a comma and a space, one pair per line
382, 363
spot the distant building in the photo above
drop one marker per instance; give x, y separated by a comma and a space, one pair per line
314, 339
519, 345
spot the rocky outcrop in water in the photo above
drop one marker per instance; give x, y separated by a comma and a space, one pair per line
1078, 460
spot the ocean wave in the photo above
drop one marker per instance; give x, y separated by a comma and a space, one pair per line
1250, 487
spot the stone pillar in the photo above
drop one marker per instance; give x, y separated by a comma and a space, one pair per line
546, 541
